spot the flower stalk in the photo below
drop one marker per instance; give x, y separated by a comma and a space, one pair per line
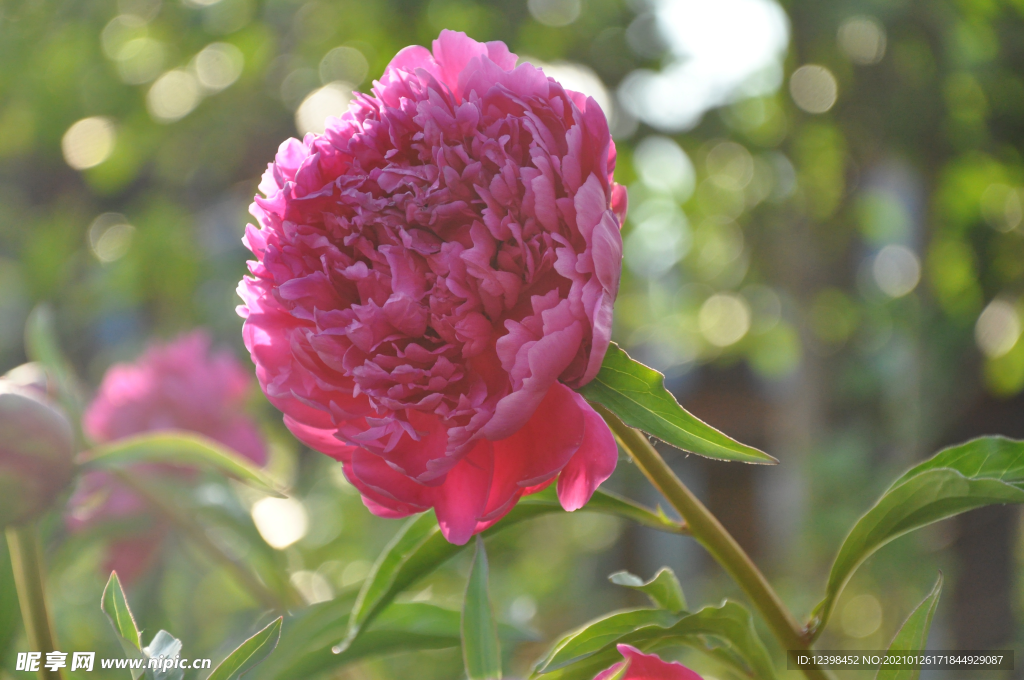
29, 579
710, 533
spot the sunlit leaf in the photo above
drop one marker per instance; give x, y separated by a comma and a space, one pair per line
984, 471
591, 648
115, 605
481, 652
249, 653
180, 448
637, 394
663, 590
913, 635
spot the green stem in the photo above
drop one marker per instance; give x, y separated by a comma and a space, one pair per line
710, 533
196, 533
29, 578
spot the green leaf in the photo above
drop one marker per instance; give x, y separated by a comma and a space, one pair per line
42, 346
602, 634
249, 653
637, 394
481, 652
419, 548
114, 604
913, 635
592, 648
663, 590
182, 448
984, 471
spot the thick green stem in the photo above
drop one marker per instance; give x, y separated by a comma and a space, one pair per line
29, 578
710, 533
197, 535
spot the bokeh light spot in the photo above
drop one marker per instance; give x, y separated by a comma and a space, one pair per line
344, 63
218, 65
173, 96
730, 165
724, 319
896, 270
862, 616
862, 39
330, 100
1001, 207
110, 237
88, 142
814, 88
998, 328
555, 13
280, 521
664, 166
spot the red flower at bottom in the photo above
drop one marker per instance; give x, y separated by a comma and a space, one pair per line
647, 667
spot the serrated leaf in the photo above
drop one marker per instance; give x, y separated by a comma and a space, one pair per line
249, 653
592, 648
419, 548
481, 652
984, 471
636, 393
913, 635
181, 448
663, 590
114, 604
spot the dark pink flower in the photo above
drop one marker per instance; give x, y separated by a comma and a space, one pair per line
647, 667
433, 276
179, 385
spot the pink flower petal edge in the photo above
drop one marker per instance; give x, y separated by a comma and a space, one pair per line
647, 667
433, 275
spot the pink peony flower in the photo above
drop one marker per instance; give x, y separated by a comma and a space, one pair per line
433, 276
647, 667
175, 386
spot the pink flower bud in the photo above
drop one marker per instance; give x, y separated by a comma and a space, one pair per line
36, 450
647, 667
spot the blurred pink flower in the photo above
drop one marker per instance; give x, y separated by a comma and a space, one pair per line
433, 275
647, 667
179, 385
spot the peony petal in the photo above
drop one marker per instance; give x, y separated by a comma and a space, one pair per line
461, 500
593, 463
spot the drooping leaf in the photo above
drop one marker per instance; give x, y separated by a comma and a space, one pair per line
591, 648
182, 448
249, 653
663, 590
636, 393
114, 604
984, 471
481, 652
419, 548
913, 635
